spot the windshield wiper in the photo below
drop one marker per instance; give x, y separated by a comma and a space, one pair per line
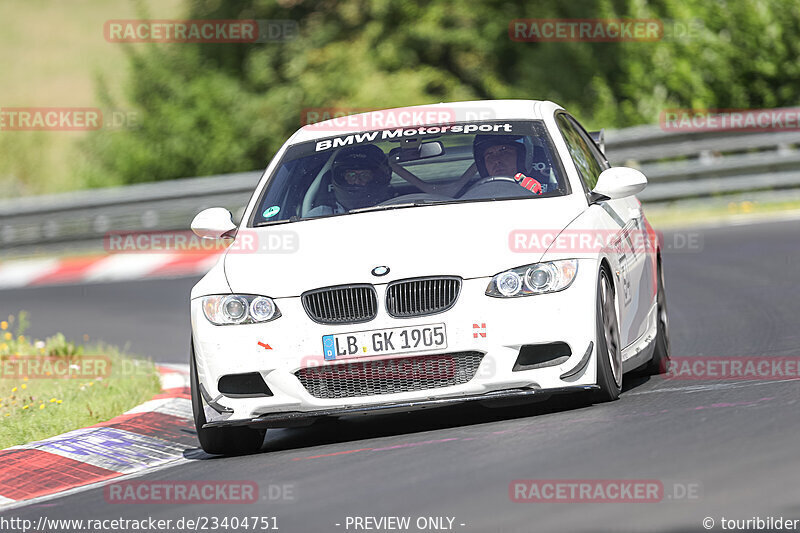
395, 206
293, 218
360, 210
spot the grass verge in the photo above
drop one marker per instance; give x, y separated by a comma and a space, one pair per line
685, 216
53, 386
52, 55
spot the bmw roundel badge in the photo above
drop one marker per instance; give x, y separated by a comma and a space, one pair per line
380, 271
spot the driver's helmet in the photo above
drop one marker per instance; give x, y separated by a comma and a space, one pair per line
522, 145
361, 176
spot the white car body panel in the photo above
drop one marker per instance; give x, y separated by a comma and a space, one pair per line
413, 242
469, 240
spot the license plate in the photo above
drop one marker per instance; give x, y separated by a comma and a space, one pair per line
384, 341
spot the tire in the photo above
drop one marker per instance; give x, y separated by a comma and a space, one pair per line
238, 440
660, 361
609, 351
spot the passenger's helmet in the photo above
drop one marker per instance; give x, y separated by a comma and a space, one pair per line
351, 166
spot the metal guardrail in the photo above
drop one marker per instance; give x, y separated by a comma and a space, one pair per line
695, 164
678, 165
81, 218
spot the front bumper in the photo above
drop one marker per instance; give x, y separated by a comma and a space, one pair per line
295, 342
301, 417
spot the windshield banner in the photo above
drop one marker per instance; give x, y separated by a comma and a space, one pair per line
400, 133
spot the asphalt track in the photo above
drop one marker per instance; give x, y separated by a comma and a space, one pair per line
734, 444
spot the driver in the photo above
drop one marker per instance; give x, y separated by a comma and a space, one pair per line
503, 155
360, 178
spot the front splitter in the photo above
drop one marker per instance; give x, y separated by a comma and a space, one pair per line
283, 419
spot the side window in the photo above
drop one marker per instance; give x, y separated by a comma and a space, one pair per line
596, 153
589, 162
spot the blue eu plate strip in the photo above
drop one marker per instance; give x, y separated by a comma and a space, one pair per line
328, 347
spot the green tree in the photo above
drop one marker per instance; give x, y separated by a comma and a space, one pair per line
215, 108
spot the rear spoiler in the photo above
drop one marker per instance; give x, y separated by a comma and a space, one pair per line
599, 138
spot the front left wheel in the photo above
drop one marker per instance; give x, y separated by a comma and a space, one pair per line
609, 351
238, 440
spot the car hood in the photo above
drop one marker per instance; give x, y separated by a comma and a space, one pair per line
470, 240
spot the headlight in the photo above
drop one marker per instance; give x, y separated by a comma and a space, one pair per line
539, 278
226, 309
508, 283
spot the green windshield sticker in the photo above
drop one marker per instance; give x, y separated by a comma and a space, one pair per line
272, 211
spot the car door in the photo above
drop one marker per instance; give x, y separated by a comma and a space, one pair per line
625, 226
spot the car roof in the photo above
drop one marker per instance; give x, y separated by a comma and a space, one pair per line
423, 115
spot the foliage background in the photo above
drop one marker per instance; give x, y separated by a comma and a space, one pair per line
217, 108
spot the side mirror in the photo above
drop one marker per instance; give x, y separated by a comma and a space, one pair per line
213, 223
619, 182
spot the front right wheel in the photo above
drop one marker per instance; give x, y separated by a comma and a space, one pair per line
609, 351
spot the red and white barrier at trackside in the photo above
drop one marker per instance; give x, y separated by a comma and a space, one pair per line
103, 268
152, 434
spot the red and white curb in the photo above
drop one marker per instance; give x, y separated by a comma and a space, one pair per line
154, 434
103, 268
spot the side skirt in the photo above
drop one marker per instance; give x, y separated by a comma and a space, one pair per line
641, 350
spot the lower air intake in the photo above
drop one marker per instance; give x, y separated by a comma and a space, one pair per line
390, 376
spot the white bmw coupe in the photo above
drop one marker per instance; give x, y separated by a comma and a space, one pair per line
423, 257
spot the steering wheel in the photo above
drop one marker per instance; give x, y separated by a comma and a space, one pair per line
490, 179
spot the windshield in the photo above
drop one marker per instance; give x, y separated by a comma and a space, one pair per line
406, 167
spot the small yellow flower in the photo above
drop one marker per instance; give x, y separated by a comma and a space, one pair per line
25, 407
24, 386
52, 400
4, 346
21, 338
91, 383
14, 389
41, 406
59, 401
8, 336
4, 325
8, 414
